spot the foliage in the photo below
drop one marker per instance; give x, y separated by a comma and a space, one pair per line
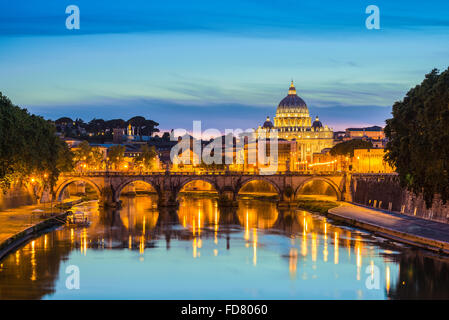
116, 155
29, 146
347, 147
418, 137
86, 154
99, 130
146, 158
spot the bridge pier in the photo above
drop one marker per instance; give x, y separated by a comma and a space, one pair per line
227, 199
167, 199
108, 198
347, 188
287, 204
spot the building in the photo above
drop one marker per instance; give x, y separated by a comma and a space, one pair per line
287, 158
374, 133
71, 142
118, 135
371, 161
293, 122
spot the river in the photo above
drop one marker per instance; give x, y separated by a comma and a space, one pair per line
201, 251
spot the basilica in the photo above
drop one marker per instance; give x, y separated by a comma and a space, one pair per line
293, 123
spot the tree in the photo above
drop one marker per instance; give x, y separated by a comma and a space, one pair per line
146, 158
87, 156
166, 136
418, 137
115, 124
347, 147
96, 126
65, 121
29, 147
144, 126
150, 128
116, 155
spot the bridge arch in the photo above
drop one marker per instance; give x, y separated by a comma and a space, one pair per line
61, 187
328, 181
202, 179
252, 179
128, 182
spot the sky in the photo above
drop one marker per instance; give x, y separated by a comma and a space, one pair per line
226, 63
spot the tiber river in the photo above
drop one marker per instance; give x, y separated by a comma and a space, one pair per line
200, 251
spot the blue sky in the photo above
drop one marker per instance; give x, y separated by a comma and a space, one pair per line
227, 63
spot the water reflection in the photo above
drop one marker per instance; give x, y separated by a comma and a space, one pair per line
253, 251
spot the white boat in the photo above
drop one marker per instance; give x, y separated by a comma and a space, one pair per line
78, 219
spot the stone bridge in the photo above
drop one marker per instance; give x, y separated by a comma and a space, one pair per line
109, 185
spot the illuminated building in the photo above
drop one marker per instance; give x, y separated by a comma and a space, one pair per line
186, 161
287, 157
370, 160
293, 122
375, 132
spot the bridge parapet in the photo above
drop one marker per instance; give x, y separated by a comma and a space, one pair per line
109, 184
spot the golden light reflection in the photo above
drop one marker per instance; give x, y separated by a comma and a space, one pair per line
84, 241
33, 261
254, 247
336, 248
358, 251
325, 228
72, 236
387, 279
304, 245
293, 261
216, 225
348, 243
142, 245
314, 246
325, 251
139, 210
194, 244
246, 234
260, 214
197, 213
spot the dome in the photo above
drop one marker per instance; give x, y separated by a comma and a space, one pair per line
292, 103
268, 124
317, 123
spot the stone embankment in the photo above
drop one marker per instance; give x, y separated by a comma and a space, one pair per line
430, 235
16, 240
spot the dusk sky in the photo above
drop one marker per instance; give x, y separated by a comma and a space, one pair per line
227, 63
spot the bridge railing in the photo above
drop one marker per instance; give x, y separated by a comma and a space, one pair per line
197, 173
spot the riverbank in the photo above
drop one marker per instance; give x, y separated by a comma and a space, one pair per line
18, 225
417, 232
426, 234
19, 238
